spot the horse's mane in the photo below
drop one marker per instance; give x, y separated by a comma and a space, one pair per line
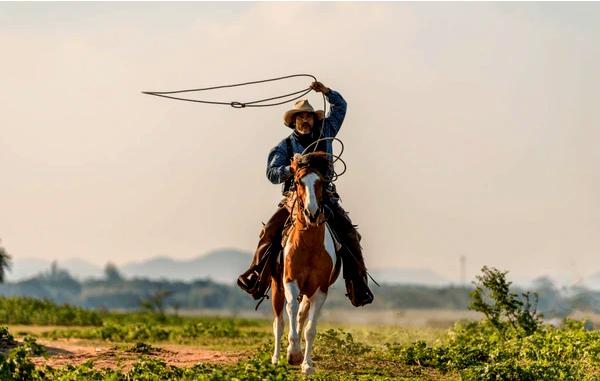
316, 160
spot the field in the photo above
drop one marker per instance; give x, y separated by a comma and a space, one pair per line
503, 338
143, 346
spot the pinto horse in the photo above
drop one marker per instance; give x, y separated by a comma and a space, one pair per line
310, 264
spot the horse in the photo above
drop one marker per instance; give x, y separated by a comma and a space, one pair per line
310, 264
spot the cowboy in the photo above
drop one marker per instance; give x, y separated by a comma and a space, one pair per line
308, 126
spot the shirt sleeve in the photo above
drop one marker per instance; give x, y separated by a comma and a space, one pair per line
278, 169
334, 120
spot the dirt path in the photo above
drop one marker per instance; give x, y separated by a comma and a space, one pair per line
76, 351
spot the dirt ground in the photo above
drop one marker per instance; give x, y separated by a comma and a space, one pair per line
76, 351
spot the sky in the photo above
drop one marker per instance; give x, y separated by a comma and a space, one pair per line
472, 129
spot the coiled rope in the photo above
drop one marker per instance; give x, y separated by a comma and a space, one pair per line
237, 104
260, 103
335, 158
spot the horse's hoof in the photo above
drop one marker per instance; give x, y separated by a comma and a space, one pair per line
294, 358
307, 370
274, 360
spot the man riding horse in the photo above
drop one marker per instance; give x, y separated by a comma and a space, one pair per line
308, 126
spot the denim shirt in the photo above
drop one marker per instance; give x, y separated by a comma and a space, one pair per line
278, 161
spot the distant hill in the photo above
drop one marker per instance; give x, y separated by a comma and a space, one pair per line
397, 275
23, 268
223, 266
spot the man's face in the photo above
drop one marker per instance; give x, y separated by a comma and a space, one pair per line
304, 122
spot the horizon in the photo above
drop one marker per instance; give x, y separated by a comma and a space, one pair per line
424, 276
470, 129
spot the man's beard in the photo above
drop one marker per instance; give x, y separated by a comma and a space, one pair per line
305, 129
306, 139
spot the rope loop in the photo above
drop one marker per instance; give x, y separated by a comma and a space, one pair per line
237, 104
258, 103
335, 158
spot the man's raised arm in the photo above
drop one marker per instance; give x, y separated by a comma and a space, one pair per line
334, 120
336, 116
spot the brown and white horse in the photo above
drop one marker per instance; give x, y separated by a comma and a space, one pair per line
309, 262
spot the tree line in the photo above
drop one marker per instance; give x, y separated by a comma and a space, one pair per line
114, 291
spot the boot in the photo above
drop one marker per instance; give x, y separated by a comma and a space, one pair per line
358, 291
248, 280
257, 279
355, 271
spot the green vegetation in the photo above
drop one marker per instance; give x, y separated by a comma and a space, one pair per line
470, 351
511, 343
17, 366
503, 309
185, 333
5, 335
478, 352
20, 310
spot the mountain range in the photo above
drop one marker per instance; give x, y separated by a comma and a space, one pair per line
219, 265
222, 266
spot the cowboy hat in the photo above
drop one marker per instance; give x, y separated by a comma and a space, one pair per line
301, 106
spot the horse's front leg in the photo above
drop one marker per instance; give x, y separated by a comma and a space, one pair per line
278, 301
303, 314
316, 302
294, 353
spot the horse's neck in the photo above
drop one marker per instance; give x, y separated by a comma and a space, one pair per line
305, 234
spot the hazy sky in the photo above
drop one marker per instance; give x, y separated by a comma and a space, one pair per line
472, 128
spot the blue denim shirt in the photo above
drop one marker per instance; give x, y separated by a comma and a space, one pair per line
278, 161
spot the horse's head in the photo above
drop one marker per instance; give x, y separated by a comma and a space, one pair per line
309, 176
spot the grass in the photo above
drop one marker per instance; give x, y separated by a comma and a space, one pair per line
354, 352
511, 343
248, 334
468, 351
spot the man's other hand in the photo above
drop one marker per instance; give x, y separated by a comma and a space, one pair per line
319, 87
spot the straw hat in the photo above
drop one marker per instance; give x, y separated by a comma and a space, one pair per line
301, 106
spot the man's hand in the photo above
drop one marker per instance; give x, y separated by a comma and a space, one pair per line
319, 87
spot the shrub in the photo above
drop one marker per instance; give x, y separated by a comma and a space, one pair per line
5, 335
502, 308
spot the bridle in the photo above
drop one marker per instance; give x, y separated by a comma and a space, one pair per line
299, 202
